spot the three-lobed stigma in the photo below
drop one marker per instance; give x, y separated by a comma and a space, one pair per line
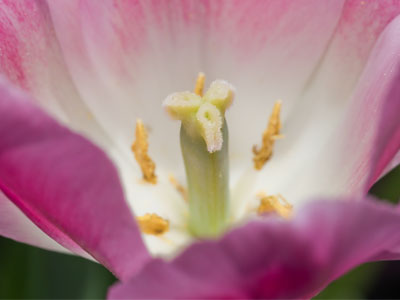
202, 114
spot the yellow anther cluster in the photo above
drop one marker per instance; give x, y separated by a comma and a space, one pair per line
152, 224
180, 188
271, 133
140, 148
274, 204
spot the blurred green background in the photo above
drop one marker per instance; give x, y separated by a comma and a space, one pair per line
28, 272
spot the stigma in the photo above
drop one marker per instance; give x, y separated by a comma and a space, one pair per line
270, 135
140, 149
202, 115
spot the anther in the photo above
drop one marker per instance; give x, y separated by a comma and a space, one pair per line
152, 224
199, 87
271, 133
274, 204
180, 188
140, 149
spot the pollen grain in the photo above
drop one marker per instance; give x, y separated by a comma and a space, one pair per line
140, 149
274, 204
200, 84
152, 224
270, 135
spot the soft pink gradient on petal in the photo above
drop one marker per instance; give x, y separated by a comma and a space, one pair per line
360, 25
386, 152
272, 258
32, 59
125, 57
372, 123
66, 186
356, 131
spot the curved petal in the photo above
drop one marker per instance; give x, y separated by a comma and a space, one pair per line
15, 225
390, 166
344, 135
386, 153
125, 57
32, 59
371, 130
273, 259
65, 185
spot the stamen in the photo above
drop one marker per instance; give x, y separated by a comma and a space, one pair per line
210, 121
274, 204
180, 188
152, 224
140, 148
200, 84
271, 133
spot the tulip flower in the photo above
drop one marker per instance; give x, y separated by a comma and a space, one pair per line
92, 163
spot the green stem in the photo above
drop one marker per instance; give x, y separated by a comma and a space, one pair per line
208, 183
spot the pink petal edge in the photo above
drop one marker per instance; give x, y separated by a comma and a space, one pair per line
374, 116
66, 186
273, 258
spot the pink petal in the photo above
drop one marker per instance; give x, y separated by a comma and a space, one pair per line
373, 123
271, 258
32, 59
390, 166
15, 225
385, 153
126, 56
65, 185
356, 131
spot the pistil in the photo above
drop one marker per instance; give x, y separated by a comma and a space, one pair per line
204, 145
207, 176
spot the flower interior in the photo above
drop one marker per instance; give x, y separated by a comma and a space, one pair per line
204, 142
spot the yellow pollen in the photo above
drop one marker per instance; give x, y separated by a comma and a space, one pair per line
140, 148
271, 133
180, 188
152, 224
200, 84
274, 204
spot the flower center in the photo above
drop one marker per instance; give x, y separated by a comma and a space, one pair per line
204, 145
